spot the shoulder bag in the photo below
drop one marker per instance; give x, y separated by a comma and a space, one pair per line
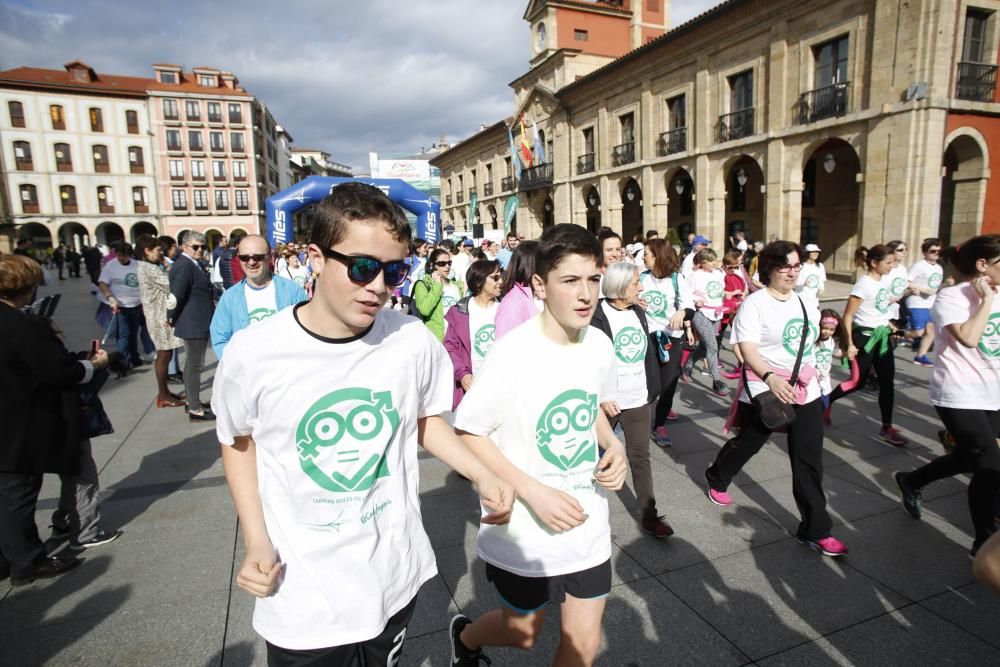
768, 408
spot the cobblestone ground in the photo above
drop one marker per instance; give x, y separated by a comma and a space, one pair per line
732, 587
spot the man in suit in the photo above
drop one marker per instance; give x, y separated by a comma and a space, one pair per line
192, 317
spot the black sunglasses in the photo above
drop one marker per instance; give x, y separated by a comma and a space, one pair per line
257, 258
196, 246
439, 264
362, 269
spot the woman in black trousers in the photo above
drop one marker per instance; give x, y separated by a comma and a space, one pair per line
39, 410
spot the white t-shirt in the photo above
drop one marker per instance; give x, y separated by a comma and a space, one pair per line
897, 281
742, 245
967, 378
687, 265
628, 386
450, 296
481, 332
261, 301
299, 274
460, 264
924, 275
658, 293
538, 401
776, 327
874, 310
337, 468
824, 362
123, 281
810, 282
709, 287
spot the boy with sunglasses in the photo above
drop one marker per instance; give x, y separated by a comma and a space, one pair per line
257, 296
545, 435
320, 410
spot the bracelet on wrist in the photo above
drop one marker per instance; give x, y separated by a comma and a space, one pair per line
763, 378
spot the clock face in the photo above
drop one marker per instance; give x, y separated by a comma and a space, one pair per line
540, 37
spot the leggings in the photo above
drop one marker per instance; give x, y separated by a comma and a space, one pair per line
976, 452
705, 329
670, 373
885, 367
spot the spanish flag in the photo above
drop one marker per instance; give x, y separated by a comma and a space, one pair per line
525, 146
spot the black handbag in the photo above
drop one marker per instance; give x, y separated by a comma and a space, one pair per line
768, 408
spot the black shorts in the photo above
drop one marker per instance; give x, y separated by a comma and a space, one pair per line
381, 650
526, 595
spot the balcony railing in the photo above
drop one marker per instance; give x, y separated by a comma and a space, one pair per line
736, 125
826, 102
459, 197
507, 184
585, 163
539, 176
447, 200
488, 189
106, 208
673, 141
623, 154
976, 82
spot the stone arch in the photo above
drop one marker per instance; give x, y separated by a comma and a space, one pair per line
592, 205
831, 202
215, 237
494, 221
963, 186
109, 232
681, 194
74, 235
631, 199
39, 234
143, 227
743, 181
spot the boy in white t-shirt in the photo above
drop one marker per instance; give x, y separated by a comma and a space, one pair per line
925, 278
320, 409
543, 433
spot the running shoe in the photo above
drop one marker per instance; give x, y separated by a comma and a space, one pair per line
922, 360
828, 546
909, 496
733, 374
720, 388
720, 498
671, 416
97, 540
661, 438
891, 435
657, 527
460, 655
685, 377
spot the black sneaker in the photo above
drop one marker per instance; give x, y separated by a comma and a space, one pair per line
176, 378
59, 532
102, 537
46, 568
910, 497
206, 415
460, 655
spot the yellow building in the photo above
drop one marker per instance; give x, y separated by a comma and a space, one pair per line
843, 123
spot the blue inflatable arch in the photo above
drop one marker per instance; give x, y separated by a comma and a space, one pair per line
280, 207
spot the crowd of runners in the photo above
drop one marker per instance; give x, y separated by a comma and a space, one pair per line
542, 371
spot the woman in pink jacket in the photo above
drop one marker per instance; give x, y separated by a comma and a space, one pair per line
471, 325
517, 300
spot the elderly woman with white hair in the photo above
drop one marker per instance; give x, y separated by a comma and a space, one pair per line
636, 382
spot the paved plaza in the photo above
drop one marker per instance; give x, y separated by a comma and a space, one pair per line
732, 587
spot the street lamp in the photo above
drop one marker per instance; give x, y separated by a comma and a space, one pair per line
679, 186
829, 163
630, 193
548, 205
741, 177
592, 199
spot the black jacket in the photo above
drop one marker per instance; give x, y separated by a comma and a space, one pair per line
39, 397
191, 286
651, 362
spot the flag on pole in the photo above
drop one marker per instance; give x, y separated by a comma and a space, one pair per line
525, 147
509, 211
539, 146
514, 159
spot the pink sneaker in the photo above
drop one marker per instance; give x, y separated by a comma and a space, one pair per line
733, 374
720, 498
828, 546
671, 416
891, 435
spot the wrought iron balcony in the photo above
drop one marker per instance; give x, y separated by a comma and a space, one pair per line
826, 102
736, 125
673, 141
976, 82
488, 189
623, 154
507, 184
447, 200
459, 197
539, 176
585, 163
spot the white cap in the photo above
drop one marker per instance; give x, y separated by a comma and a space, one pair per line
812, 247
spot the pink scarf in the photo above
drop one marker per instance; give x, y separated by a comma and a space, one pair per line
806, 374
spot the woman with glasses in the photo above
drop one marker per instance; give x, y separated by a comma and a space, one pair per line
925, 278
899, 284
868, 324
965, 384
156, 299
769, 330
471, 325
436, 292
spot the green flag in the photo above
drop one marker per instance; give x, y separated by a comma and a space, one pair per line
509, 211
473, 200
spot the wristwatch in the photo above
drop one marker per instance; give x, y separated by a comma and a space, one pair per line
763, 378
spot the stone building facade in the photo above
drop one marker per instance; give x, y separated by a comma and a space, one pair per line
843, 123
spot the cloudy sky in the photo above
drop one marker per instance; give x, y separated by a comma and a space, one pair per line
347, 76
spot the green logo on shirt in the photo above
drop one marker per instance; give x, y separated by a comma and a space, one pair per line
258, 314
714, 290
791, 337
882, 300
824, 356
630, 345
343, 438
657, 302
898, 286
812, 282
448, 301
482, 342
131, 279
989, 344
564, 432
934, 280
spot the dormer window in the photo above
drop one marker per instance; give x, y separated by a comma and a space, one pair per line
207, 80
80, 74
168, 77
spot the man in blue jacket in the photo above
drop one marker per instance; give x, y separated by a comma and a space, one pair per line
258, 296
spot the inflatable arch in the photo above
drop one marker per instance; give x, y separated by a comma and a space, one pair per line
280, 207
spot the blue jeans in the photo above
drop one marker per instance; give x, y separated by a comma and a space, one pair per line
127, 327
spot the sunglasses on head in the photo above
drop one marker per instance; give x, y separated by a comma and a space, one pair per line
257, 258
362, 269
